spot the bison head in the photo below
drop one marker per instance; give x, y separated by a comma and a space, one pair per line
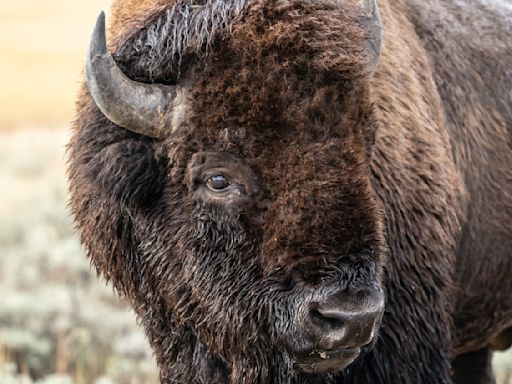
220, 178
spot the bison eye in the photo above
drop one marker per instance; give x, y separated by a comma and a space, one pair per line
218, 183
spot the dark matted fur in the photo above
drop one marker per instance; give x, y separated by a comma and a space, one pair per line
186, 27
403, 179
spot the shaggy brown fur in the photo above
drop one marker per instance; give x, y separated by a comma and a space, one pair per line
403, 178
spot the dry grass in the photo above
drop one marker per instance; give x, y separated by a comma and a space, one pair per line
59, 323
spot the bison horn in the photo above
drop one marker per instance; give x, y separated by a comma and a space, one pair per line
371, 8
146, 109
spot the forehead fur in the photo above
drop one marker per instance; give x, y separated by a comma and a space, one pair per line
172, 37
275, 83
277, 93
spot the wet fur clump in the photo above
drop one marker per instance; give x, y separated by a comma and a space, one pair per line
182, 29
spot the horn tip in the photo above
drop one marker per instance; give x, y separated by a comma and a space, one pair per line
101, 19
99, 39
97, 47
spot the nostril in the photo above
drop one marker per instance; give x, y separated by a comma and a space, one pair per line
338, 321
326, 319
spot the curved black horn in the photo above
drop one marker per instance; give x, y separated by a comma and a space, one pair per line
146, 109
371, 8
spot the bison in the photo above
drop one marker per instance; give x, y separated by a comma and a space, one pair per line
297, 191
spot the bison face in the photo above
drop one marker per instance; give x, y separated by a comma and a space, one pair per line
245, 232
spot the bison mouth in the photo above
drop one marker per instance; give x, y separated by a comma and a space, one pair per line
319, 362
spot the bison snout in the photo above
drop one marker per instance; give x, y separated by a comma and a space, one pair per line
343, 320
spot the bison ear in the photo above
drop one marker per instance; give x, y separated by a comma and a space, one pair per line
152, 110
374, 41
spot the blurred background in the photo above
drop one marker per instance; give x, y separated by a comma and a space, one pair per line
59, 323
